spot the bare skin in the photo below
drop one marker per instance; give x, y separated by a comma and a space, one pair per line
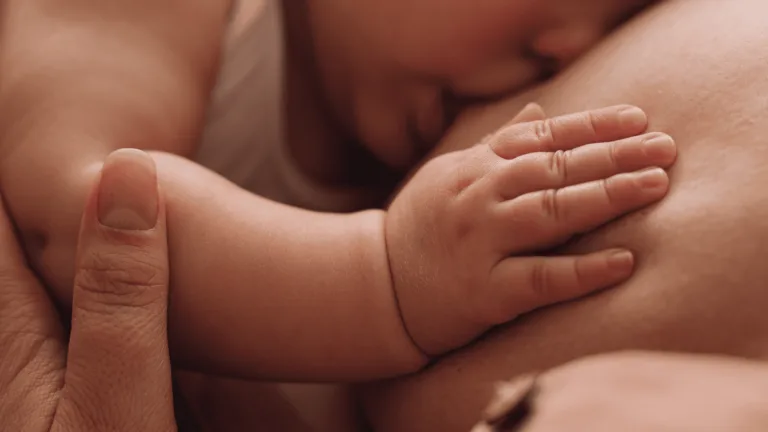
111, 371
701, 271
248, 274
633, 391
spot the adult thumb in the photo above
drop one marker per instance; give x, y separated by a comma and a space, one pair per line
118, 369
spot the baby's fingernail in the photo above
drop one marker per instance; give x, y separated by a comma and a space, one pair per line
652, 178
128, 197
659, 146
633, 117
621, 261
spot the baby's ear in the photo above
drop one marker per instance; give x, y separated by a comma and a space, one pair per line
531, 112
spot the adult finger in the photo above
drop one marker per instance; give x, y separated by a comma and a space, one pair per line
32, 343
569, 131
552, 170
118, 371
542, 219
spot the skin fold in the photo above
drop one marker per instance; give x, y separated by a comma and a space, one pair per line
698, 68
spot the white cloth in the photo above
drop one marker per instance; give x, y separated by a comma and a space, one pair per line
243, 141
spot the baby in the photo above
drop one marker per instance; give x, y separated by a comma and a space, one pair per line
267, 290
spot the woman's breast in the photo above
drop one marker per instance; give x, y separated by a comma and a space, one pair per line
700, 70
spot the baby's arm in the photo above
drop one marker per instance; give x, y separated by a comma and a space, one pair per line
259, 289
80, 79
270, 291
266, 290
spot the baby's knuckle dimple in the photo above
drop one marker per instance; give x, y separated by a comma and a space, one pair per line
592, 123
558, 164
550, 205
607, 187
579, 276
613, 155
543, 129
540, 282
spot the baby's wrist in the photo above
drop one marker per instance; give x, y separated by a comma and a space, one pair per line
406, 356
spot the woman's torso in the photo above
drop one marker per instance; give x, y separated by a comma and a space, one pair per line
700, 69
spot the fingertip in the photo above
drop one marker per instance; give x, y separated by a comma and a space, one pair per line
660, 147
620, 261
632, 117
629, 191
653, 180
128, 197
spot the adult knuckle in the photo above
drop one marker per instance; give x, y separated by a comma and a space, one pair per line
25, 355
83, 409
11, 278
120, 278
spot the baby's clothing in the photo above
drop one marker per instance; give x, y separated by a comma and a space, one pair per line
243, 139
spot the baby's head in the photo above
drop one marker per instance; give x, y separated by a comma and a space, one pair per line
394, 70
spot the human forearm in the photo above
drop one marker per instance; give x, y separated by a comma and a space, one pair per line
269, 291
66, 108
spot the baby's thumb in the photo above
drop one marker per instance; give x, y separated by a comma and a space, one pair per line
118, 363
531, 112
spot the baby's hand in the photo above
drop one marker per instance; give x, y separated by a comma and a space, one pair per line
460, 235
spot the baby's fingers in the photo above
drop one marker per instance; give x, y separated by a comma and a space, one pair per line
522, 284
550, 170
544, 219
569, 131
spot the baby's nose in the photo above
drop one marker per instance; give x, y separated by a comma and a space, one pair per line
564, 45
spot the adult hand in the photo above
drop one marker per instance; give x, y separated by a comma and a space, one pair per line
636, 391
113, 372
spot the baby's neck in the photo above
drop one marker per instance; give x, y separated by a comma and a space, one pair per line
320, 147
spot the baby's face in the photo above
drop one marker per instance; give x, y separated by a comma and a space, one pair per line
396, 70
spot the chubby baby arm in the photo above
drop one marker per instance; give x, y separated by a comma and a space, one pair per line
265, 290
460, 235
81, 79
